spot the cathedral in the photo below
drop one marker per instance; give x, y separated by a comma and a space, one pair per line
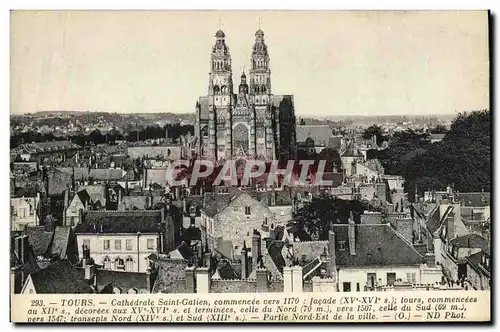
251, 123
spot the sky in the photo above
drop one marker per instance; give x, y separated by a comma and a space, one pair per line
333, 62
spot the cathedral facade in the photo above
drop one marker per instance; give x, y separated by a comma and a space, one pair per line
252, 122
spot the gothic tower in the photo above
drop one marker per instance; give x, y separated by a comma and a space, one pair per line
260, 88
220, 92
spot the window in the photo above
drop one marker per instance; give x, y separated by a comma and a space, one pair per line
341, 245
371, 279
129, 264
357, 287
150, 244
107, 263
119, 264
391, 278
118, 244
128, 244
346, 286
86, 243
247, 210
106, 244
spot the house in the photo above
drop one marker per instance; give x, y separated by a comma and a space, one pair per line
51, 242
227, 220
350, 156
479, 270
24, 211
122, 240
60, 277
456, 253
40, 150
370, 255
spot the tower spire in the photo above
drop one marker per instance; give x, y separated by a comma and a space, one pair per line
259, 22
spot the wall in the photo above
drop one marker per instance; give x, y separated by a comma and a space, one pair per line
233, 286
233, 225
29, 287
98, 253
73, 211
359, 275
23, 212
430, 275
323, 285
153, 151
477, 280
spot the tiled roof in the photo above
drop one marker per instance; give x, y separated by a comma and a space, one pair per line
213, 204
39, 147
61, 241
475, 261
122, 279
351, 152
169, 271
58, 182
60, 278
319, 133
434, 220
470, 241
135, 202
40, 240
109, 174
184, 250
97, 192
376, 245
144, 221
81, 173
335, 142
308, 250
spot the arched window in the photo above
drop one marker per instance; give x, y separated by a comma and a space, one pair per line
223, 89
107, 263
216, 90
129, 264
119, 264
263, 89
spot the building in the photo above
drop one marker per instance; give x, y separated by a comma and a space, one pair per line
122, 240
228, 220
24, 211
60, 277
253, 122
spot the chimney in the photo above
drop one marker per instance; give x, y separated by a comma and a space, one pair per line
184, 208
332, 254
66, 204
262, 279
49, 224
297, 279
190, 279
149, 284
119, 196
162, 215
430, 259
89, 272
352, 235
256, 248
80, 216
202, 280
22, 247
244, 261
287, 279
207, 260
272, 232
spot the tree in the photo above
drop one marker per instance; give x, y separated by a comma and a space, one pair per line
316, 216
377, 131
439, 129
